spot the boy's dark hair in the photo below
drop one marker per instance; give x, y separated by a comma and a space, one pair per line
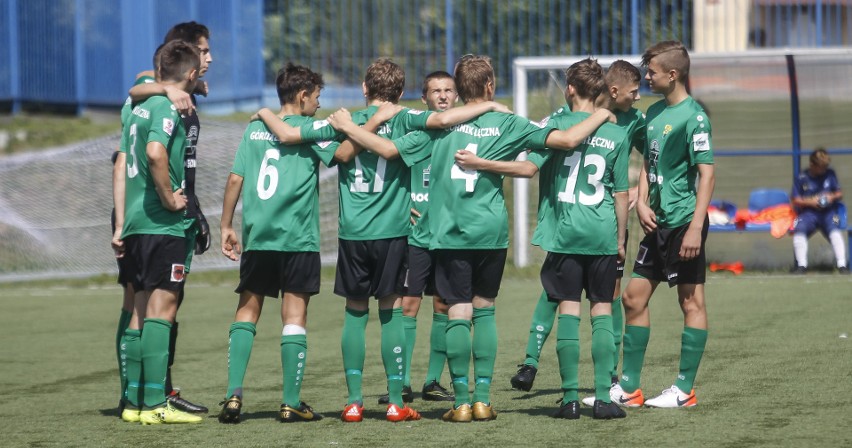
293, 78
622, 72
440, 74
384, 80
189, 32
472, 74
174, 59
587, 77
820, 157
671, 55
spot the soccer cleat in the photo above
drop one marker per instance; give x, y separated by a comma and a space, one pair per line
184, 405
799, 270
231, 410
435, 392
461, 414
303, 413
130, 415
607, 411
167, 414
401, 414
590, 401
633, 399
843, 270
353, 413
673, 397
483, 412
407, 396
523, 380
570, 410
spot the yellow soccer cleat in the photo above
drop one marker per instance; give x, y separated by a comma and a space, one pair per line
483, 412
130, 415
461, 414
167, 414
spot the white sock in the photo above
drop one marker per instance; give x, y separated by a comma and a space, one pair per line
290, 330
839, 246
800, 249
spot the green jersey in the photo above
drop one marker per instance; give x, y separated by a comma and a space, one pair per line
634, 123
280, 189
375, 193
420, 175
466, 207
153, 120
678, 140
127, 108
582, 182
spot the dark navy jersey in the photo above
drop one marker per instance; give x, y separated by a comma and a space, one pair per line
193, 129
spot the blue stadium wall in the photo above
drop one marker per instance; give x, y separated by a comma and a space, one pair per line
83, 53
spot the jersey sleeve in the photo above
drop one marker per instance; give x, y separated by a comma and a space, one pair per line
318, 131
413, 119
414, 147
699, 140
527, 134
539, 157
165, 121
325, 151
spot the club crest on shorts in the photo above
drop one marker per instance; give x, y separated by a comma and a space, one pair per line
178, 273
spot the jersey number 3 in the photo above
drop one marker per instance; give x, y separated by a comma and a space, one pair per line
594, 179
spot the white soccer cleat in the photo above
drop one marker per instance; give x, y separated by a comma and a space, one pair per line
673, 397
617, 396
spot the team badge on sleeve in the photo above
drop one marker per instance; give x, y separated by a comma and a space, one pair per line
324, 144
701, 142
415, 111
168, 126
320, 124
178, 273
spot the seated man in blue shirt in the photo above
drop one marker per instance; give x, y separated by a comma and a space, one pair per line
816, 197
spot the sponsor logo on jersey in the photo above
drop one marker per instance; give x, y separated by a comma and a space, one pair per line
178, 273
168, 126
476, 132
263, 136
191, 163
420, 197
426, 173
192, 132
323, 144
320, 124
140, 112
701, 142
599, 142
700, 118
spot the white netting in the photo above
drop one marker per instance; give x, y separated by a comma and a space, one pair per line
55, 206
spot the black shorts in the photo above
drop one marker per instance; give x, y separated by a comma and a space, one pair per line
658, 257
565, 276
271, 273
370, 268
420, 278
461, 274
619, 266
155, 262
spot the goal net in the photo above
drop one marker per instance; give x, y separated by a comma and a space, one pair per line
748, 99
55, 207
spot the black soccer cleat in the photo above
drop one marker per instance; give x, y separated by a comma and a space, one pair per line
523, 380
407, 396
303, 413
185, 405
435, 392
231, 410
799, 270
570, 410
607, 411
843, 270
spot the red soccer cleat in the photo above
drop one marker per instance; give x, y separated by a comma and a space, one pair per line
401, 414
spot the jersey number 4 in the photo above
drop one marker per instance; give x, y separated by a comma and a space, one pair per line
572, 163
469, 176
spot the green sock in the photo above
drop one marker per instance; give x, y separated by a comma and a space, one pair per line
484, 352
458, 358
294, 355
437, 348
123, 322
692, 346
240, 340
568, 352
409, 327
133, 357
353, 345
155, 361
635, 343
602, 347
617, 333
393, 352
542, 323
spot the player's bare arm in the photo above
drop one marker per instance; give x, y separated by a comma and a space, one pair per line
573, 137
286, 134
180, 98
457, 115
118, 183
519, 168
647, 217
692, 238
341, 120
622, 199
349, 149
230, 242
158, 159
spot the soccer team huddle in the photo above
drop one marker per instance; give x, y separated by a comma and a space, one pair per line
421, 211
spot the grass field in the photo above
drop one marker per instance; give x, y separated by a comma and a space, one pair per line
775, 373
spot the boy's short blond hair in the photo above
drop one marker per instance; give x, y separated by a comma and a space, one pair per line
671, 55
